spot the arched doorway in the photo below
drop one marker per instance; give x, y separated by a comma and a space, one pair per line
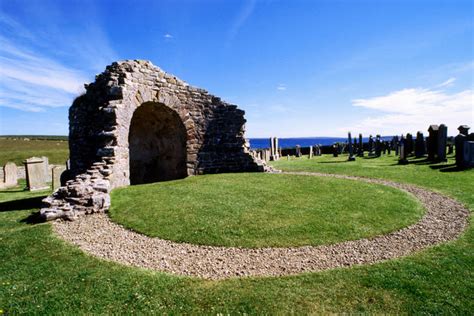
157, 144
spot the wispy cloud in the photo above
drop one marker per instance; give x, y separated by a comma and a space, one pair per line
168, 36
281, 87
447, 83
38, 72
412, 109
241, 18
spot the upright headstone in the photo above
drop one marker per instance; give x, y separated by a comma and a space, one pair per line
389, 147
361, 147
310, 156
371, 146
298, 151
351, 153
35, 178
335, 150
419, 145
56, 175
468, 159
10, 174
433, 142
459, 141
47, 174
442, 138
272, 148
395, 144
378, 147
403, 157
409, 145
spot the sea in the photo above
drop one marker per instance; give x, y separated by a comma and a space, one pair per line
258, 143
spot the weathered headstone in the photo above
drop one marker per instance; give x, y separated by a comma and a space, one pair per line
47, 174
310, 156
10, 174
298, 151
351, 153
433, 142
408, 145
442, 138
335, 150
371, 146
468, 154
403, 157
35, 178
459, 141
419, 145
378, 148
56, 176
361, 147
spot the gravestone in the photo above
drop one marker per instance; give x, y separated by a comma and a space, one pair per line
10, 174
277, 150
419, 145
351, 153
310, 156
403, 157
409, 145
47, 174
468, 160
361, 147
35, 178
433, 142
389, 147
335, 150
371, 146
459, 142
56, 176
378, 148
442, 138
298, 151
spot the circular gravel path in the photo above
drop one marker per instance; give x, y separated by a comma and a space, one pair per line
97, 235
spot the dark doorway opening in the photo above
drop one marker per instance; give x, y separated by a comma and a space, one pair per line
157, 144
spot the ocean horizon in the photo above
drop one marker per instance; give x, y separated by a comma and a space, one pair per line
290, 142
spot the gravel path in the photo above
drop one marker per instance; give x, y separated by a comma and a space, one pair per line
444, 220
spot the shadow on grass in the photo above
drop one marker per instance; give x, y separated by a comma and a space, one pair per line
340, 161
24, 204
33, 218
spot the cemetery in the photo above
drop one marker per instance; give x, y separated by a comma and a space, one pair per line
160, 192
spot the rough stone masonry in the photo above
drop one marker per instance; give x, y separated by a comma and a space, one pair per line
137, 124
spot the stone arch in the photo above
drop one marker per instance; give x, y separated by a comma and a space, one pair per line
157, 144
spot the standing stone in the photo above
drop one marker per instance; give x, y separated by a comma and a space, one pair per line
419, 145
47, 174
35, 178
10, 174
274, 153
371, 146
378, 149
298, 151
403, 157
409, 144
287, 157
310, 156
351, 153
468, 159
459, 141
433, 142
335, 150
361, 147
442, 138
389, 147
56, 175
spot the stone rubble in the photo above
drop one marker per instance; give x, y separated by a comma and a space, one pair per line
445, 219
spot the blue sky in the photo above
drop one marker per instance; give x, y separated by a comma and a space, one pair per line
298, 68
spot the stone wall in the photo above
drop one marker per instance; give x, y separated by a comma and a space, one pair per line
101, 137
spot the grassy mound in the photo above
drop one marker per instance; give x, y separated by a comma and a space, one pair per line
262, 210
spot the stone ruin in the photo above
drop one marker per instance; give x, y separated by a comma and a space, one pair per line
138, 124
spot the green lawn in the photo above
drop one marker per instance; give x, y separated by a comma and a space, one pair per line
17, 150
41, 274
263, 210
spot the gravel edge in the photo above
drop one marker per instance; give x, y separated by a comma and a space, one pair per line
445, 219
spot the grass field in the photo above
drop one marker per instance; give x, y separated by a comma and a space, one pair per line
41, 274
17, 150
263, 210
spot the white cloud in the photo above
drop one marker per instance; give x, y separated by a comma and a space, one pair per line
241, 18
413, 109
447, 83
168, 36
281, 87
